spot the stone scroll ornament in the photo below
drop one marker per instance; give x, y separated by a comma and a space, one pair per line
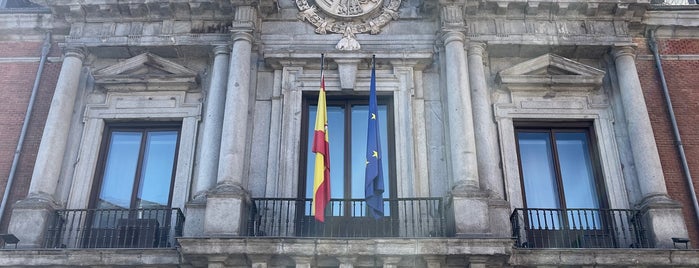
348, 17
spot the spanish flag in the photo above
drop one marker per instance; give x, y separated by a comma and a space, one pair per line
321, 174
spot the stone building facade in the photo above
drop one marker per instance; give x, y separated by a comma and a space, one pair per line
516, 133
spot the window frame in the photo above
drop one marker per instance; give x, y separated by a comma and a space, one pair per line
552, 127
334, 98
143, 127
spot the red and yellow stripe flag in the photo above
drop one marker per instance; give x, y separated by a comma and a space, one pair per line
321, 147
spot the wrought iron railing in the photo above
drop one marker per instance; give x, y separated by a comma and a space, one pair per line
578, 228
114, 228
403, 217
674, 2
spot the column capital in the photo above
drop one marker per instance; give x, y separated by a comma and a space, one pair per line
74, 51
619, 51
241, 36
221, 49
451, 36
476, 48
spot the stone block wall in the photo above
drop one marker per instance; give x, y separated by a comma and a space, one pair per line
19, 61
680, 60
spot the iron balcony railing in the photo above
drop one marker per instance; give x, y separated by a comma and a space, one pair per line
674, 2
578, 228
403, 217
114, 228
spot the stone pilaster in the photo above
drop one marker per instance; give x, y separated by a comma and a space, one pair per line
470, 204
662, 216
227, 203
30, 216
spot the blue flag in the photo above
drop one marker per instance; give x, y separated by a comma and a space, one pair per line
373, 183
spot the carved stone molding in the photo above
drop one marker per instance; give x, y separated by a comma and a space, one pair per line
146, 72
551, 72
349, 18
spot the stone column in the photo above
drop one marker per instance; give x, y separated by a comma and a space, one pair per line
207, 171
226, 204
213, 121
486, 135
470, 205
30, 216
662, 216
464, 164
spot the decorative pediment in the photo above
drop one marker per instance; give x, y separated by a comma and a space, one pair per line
146, 72
551, 72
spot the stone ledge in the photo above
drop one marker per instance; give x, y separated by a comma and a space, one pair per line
345, 247
89, 257
606, 257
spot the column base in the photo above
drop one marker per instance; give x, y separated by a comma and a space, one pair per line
29, 220
499, 212
226, 211
471, 218
196, 211
662, 218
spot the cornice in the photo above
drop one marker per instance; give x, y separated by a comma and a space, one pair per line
125, 10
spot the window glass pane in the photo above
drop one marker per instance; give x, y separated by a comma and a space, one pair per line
360, 113
538, 171
156, 173
120, 170
578, 179
576, 170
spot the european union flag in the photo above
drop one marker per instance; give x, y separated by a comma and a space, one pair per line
373, 183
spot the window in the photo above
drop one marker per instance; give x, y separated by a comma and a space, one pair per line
347, 130
133, 189
18, 4
137, 167
561, 184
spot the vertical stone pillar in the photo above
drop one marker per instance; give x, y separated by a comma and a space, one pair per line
213, 121
347, 262
470, 204
391, 261
303, 261
662, 216
259, 260
225, 205
30, 216
435, 261
464, 164
486, 135
207, 172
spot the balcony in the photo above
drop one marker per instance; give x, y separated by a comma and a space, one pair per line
291, 217
114, 228
578, 228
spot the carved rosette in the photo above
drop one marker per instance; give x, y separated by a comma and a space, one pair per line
348, 17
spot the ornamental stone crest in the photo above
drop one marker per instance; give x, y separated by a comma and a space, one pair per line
348, 17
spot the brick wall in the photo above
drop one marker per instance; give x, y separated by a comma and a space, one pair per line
682, 75
17, 74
